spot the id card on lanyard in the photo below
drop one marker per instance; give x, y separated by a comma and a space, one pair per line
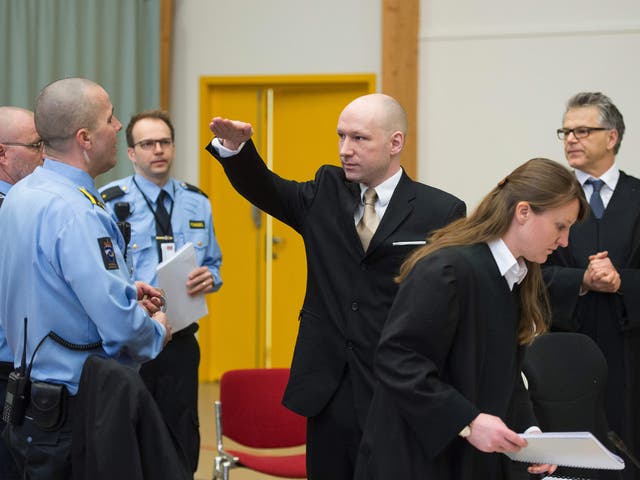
164, 232
167, 249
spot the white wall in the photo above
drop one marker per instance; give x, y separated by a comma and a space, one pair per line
495, 76
263, 37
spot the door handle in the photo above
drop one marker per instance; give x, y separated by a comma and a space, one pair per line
276, 241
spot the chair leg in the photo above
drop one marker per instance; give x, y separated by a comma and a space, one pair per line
225, 470
217, 468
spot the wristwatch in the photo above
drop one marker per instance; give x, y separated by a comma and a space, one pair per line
465, 432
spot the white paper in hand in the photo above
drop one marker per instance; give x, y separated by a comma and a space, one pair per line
182, 308
569, 449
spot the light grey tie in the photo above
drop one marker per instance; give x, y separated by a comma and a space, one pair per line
369, 222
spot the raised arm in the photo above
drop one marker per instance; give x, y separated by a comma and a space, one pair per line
231, 133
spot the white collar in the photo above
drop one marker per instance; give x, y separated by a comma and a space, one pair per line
610, 177
511, 269
385, 189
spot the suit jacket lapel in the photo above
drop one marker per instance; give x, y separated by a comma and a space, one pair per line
622, 196
348, 207
623, 204
399, 208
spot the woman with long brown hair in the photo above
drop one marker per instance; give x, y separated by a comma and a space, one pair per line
449, 358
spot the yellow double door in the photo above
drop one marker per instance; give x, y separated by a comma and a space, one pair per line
252, 319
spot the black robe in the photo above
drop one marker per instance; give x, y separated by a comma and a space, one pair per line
611, 319
448, 352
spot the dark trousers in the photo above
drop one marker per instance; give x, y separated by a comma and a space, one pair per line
41, 455
333, 437
8, 469
172, 379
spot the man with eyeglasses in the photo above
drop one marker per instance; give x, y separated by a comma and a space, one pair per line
165, 214
594, 283
20, 154
20, 147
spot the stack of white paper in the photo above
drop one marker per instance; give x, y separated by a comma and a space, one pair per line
182, 308
568, 449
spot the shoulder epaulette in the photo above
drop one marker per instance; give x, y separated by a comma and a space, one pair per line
91, 198
192, 188
112, 192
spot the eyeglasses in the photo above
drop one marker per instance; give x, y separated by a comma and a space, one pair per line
34, 146
151, 144
578, 132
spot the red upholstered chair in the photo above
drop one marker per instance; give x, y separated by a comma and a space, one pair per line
251, 414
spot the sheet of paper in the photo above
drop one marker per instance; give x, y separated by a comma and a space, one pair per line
182, 309
569, 449
565, 478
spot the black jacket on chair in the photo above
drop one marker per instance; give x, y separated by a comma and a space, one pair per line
118, 431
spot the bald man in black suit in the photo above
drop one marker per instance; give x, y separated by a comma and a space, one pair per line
350, 282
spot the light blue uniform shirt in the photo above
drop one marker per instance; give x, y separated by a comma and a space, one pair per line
5, 351
191, 221
63, 270
4, 188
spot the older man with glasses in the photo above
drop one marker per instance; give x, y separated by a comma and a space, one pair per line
165, 214
595, 281
20, 147
20, 154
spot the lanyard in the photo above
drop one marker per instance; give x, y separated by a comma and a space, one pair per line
165, 228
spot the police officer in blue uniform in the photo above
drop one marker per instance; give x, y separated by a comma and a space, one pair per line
63, 270
164, 214
20, 154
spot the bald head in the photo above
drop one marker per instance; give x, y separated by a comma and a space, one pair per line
371, 131
383, 110
19, 154
16, 125
65, 106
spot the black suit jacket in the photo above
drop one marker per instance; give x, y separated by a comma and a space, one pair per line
349, 291
611, 319
448, 351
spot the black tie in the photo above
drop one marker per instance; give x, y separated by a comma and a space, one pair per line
596, 200
164, 233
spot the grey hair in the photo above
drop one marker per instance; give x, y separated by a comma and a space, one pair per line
610, 116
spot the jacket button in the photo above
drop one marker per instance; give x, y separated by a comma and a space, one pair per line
354, 306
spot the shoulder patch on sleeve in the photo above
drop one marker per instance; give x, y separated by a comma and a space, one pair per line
112, 192
192, 188
108, 254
